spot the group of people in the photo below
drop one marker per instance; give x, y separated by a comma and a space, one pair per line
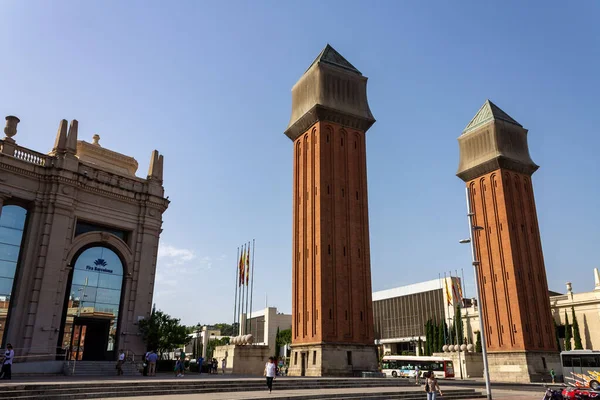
150, 359
213, 365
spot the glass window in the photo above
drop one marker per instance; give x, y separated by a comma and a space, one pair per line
10, 236
84, 227
576, 362
110, 281
95, 290
108, 296
13, 217
7, 269
589, 361
567, 361
12, 226
9, 252
6, 286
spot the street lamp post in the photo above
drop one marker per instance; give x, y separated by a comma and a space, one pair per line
473, 228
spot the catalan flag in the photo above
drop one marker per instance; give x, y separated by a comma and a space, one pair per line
448, 294
241, 267
248, 265
454, 289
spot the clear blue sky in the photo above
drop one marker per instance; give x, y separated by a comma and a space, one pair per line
208, 84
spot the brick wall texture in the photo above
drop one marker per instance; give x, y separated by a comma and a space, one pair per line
512, 275
331, 275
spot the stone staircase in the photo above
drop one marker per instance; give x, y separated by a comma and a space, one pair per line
100, 368
401, 389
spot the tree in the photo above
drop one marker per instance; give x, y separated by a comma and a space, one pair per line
428, 338
556, 335
285, 336
458, 325
212, 343
226, 329
162, 333
567, 333
419, 344
446, 333
435, 337
576, 334
478, 347
440, 338
277, 345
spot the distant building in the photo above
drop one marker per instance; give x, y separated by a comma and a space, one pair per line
263, 325
79, 235
400, 314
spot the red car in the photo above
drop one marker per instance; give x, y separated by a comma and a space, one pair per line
573, 393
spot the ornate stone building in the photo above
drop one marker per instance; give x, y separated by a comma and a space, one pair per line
332, 315
497, 168
78, 243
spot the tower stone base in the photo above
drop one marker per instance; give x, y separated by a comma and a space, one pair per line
523, 367
332, 360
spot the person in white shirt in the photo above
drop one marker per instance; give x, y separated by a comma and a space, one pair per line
9, 354
120, 362
270, 371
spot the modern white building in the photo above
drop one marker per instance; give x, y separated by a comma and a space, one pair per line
400, 314
263, 325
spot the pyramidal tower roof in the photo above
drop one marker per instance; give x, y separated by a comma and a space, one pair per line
330, 56
489, 112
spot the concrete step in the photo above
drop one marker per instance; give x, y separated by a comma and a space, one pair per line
412, 395
112, 389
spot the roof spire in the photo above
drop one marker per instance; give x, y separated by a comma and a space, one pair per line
61, 138
489, 112
71, 143
330, 56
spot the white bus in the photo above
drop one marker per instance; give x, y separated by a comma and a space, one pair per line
581, 368
405, 366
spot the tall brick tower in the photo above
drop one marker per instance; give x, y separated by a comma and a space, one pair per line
332, 328
497, 168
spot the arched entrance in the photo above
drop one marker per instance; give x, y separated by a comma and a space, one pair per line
92, 305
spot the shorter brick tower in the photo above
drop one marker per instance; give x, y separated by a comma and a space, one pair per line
497, 168
332, 323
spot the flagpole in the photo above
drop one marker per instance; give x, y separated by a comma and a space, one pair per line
241, 294
237, 280
246, 277
441, 287
462, 273
252, 279
448, 309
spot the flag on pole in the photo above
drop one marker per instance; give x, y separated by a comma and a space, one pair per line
460, 293
241, 267
248, 266
454, 290
448, 294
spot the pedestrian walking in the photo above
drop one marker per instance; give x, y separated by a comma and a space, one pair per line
151, 360
200, 362
120, 362
431, 386
9, 354
417, 372
145, 365
224, 365
553, 375
181, 369
270, 371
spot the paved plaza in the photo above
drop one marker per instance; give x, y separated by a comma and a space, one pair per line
517, 392
290, 394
